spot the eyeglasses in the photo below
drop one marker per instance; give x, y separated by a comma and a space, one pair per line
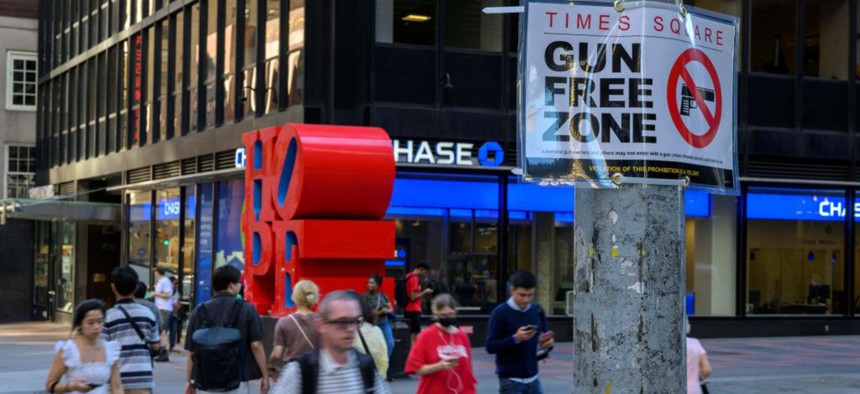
344, 324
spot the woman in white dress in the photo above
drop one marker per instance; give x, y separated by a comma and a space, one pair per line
88, 363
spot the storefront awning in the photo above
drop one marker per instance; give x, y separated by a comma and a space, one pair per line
56, 210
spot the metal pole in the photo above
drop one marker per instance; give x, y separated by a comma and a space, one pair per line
629, 285
629, 282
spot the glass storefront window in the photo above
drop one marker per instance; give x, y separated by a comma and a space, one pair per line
773, 31
167, 243
466, 26
66, 273
795, 244
406, 22
711, 256
43, 263
203, 279
139, 217
229, 238
189, 247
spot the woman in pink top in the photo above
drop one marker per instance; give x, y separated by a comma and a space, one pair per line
698, 367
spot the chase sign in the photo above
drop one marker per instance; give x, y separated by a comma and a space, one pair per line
448, 153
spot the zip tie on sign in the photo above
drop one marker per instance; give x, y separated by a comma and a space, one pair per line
619, 6
618, 179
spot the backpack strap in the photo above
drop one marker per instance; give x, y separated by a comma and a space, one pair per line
309, 365
368, 371
236, 313
363, 342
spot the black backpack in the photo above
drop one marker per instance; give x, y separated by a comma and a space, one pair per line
218, 352
309, 365
401, 295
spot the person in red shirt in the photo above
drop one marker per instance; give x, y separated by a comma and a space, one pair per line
442, 354
412, 311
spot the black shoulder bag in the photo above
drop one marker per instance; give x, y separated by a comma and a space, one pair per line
152, 352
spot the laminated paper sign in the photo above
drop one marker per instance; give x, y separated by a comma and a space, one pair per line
645, 92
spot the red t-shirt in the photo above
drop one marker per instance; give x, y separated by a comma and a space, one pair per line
412, 286
433, 343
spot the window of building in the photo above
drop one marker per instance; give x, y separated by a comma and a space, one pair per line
230, 34
466, 26
249, 62
295, 61
20, 170
21, 81
825, 52
406, 21
211, 61
272, 49
773, 36
795, 249
194, 69
178, 46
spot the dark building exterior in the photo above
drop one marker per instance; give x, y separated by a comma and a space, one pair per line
18, 41
142, 105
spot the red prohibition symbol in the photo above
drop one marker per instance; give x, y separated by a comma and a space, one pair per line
679, 72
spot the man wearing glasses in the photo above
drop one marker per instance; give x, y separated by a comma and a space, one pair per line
334, 368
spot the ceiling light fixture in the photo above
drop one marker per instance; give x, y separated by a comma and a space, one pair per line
416, 18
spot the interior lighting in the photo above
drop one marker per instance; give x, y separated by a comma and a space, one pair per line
416, 18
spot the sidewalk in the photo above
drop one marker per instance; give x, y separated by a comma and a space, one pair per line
746, 365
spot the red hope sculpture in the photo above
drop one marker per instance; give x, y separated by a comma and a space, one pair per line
315, 196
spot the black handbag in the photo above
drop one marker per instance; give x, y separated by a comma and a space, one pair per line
704, 388
152, 352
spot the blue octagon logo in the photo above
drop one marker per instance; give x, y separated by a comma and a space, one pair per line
491, 154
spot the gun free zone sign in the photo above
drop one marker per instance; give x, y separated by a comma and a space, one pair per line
645, 92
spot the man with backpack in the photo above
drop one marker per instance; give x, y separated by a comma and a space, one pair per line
224, 341
408, 294
335, 367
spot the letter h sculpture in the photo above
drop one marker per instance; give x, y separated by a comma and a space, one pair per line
315, 196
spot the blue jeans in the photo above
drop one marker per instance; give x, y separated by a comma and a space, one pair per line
388, 333
507, 386
173, 327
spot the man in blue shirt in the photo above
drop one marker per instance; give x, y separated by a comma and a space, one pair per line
519, 336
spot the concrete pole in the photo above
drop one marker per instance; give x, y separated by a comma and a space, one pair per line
628, 304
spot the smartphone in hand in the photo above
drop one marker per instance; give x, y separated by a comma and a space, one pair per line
531, 327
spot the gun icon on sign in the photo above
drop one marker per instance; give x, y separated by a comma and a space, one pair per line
688, 102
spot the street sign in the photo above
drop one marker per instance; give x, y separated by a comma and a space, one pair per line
646, 92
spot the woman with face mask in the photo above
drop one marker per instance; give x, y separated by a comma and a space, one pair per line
442, 355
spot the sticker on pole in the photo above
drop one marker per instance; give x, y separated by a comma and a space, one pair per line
646, 92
